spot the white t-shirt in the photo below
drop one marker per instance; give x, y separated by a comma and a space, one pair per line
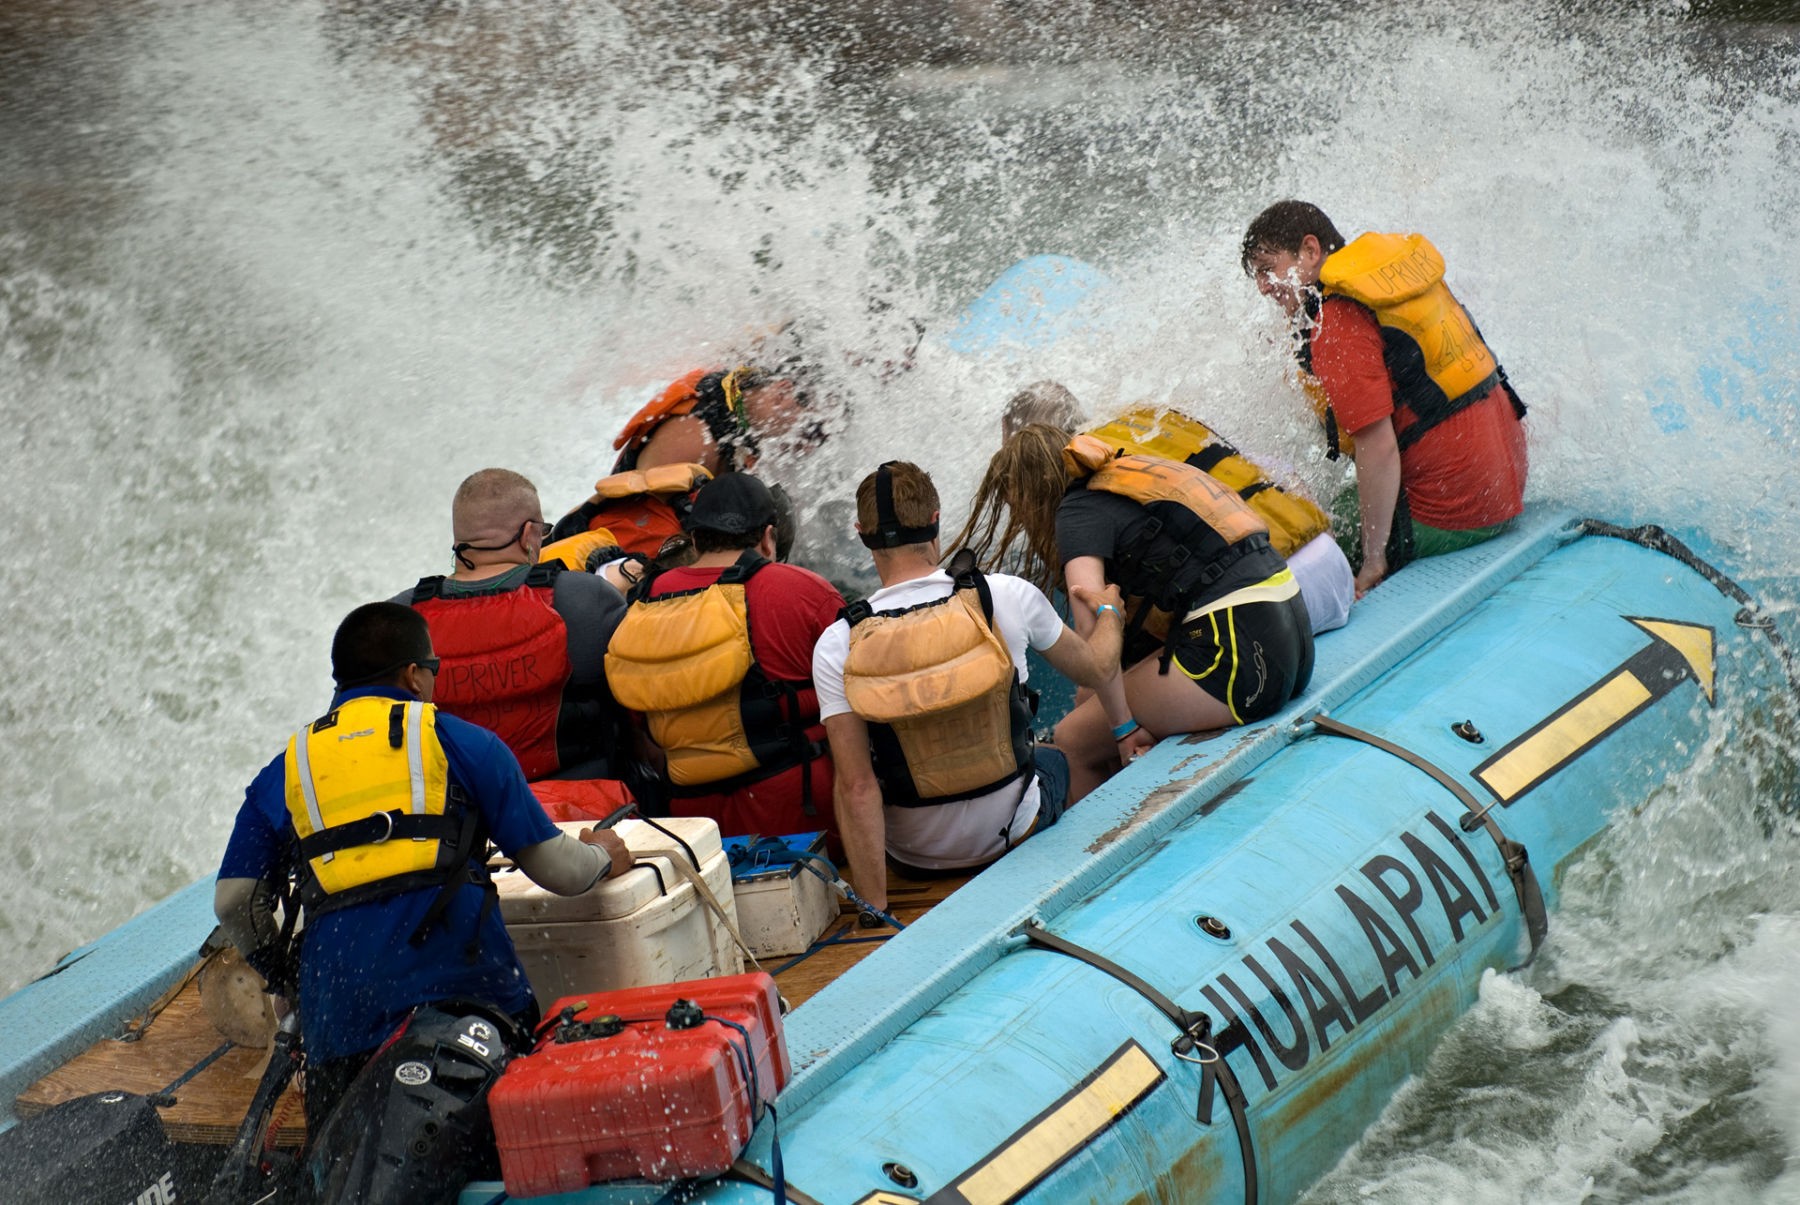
971, 831
1326, 582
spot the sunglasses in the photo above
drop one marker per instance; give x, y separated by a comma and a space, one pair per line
428, 663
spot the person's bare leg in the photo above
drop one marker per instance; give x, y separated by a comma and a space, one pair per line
1085, 738
1163, 704
1172, 703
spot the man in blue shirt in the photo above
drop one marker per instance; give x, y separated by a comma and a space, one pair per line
386, 806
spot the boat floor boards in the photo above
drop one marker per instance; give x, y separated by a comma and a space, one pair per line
208, 1109
909, 899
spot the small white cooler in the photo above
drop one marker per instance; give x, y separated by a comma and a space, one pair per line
632, 931
782, 906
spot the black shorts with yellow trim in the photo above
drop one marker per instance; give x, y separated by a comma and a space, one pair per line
1252, 657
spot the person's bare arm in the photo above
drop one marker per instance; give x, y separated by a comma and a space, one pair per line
683, 439
1089, 573
1377, 493
1088, 661
856, 794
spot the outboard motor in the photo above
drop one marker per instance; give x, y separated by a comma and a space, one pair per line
106, 1147
414, 1125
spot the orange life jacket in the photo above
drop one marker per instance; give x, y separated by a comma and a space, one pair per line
641, 508
685, 661
1436, 358
709, 394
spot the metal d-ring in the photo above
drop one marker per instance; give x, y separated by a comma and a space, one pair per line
389, 817
1197, 1045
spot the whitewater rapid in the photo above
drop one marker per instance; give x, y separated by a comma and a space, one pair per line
275, 277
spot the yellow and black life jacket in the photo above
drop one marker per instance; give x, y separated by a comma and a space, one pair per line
685, 662
1437, 359
370, 799
1292, 520
948, 717
1194, 529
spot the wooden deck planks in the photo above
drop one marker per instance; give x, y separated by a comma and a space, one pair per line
208, 1109
908, 900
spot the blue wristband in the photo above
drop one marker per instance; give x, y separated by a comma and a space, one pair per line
1103, 608
1126, 729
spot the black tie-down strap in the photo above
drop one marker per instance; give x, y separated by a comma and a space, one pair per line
1513, 854
1195, 1042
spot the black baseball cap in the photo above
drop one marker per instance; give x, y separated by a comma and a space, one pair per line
732, 504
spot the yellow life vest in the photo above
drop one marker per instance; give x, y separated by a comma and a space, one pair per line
579, 553
368, 793
685, 662
1148, 431
948, 718
1439, 364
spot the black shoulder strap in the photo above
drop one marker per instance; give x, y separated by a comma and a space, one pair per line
965, 574
749, 563
543, 573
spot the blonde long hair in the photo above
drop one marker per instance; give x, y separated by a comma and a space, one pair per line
1021, 489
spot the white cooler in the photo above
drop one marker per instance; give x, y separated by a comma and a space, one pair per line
631, 931
782, 907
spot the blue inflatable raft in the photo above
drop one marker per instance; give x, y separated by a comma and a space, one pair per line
1213, 974
1209, 978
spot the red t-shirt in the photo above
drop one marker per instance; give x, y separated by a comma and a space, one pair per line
789, 608
1468, 472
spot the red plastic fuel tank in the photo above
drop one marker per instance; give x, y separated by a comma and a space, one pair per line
655, 1083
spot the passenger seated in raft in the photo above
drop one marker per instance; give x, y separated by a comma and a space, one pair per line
716, 659
390, 925
1400, 378
922, 687
1298, 529
523, 647
708, 423
1198, 574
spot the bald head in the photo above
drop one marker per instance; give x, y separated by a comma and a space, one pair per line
491, 505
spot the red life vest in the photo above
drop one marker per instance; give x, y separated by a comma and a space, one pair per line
505, 661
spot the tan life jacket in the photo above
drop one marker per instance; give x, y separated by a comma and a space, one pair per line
1156, 566
685, 662
1293, 520
948, 718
